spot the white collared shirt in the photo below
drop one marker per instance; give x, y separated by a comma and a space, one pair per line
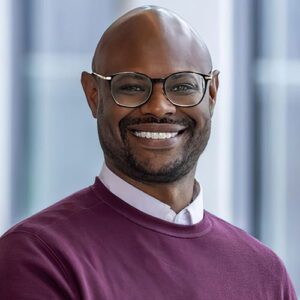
191, 214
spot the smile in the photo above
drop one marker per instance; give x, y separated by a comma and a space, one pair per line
155, 135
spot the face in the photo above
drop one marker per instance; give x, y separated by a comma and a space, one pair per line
156, 142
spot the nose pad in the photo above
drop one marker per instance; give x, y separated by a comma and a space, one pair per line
158, 104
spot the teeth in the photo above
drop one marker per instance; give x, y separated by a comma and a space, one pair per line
155, 135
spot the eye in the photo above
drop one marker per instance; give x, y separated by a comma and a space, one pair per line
183, 88
131, 88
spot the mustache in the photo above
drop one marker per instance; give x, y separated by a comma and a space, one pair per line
127, 121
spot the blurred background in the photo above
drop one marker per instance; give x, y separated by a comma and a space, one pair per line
251, 169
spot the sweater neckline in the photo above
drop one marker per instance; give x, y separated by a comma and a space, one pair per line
147, 221
191, 214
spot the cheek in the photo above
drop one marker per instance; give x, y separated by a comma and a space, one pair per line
205, 107
109, 118
200, 113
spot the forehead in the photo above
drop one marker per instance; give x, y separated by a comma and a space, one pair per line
156, 43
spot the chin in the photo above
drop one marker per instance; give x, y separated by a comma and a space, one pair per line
148, 172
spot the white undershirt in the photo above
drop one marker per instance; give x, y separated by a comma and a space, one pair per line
191, 214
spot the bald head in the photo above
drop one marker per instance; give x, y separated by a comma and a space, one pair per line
153, 34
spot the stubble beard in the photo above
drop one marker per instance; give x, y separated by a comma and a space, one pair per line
128, 163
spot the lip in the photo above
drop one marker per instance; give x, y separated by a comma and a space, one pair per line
156, 144
156, 127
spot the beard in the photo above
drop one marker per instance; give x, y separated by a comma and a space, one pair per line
128, 162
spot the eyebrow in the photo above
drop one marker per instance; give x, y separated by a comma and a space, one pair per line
133, 75
179, 75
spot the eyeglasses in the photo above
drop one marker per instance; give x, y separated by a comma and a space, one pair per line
132, 89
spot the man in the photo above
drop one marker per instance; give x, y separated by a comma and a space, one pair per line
140, 231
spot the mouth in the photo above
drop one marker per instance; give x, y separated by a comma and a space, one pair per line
156, 131
155, 136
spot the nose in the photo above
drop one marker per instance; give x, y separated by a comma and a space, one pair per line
158, 105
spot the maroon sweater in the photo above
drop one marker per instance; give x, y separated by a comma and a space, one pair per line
92, 245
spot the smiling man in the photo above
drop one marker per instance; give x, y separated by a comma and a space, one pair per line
140, 231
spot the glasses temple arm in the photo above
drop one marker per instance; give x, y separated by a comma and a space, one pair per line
101, 76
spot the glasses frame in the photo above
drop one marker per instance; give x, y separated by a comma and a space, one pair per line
109, 78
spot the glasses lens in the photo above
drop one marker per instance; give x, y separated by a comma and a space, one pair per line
185, 89
130, 89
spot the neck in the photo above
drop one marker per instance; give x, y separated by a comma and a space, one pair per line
175, 194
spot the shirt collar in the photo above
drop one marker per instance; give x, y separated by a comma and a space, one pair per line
191, 214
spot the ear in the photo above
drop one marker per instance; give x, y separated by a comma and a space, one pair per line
89, 85
213, 90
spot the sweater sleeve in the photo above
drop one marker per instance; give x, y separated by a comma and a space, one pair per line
288, 289
29, 269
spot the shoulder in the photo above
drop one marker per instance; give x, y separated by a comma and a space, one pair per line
59, 214
246, 248
245, 255
232, 233
35, 249
56, 226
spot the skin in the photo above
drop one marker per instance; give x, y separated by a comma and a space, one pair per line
156, 42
